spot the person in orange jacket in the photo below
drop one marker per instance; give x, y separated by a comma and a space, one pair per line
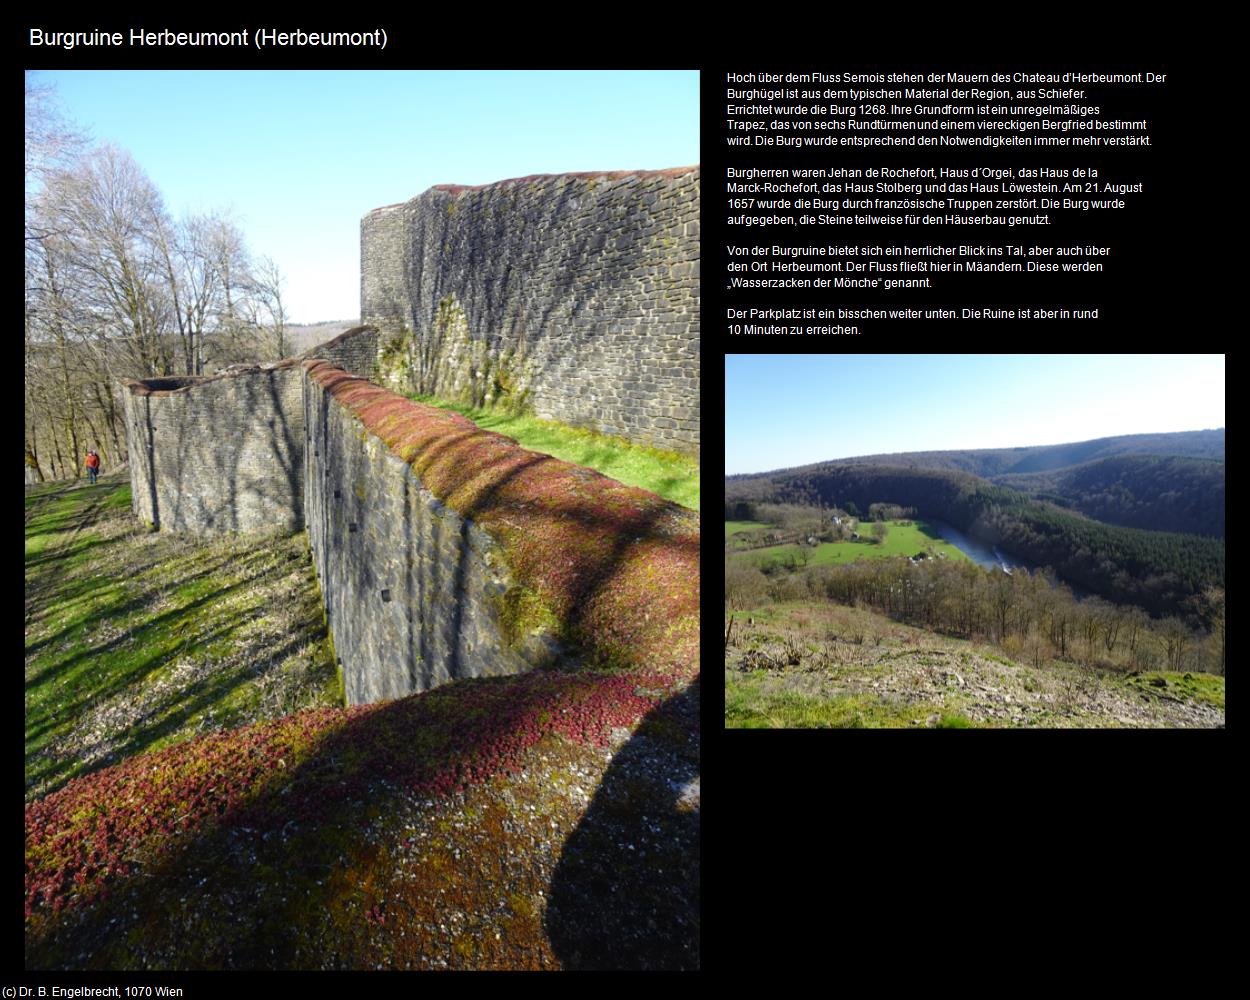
93, 465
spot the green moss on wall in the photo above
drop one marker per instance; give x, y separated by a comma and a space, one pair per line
521, 613
395, 358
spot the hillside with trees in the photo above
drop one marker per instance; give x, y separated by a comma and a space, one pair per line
116, 288
1158, 493
990, 463
1163, 572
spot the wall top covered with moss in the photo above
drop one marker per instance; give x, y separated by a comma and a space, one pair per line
616, 566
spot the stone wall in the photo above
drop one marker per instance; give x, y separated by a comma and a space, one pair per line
574, 295
446, 551
413, 590
354, 350
443, 550
219, 453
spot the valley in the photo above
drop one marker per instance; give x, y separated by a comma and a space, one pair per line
1062, 586
1163, 572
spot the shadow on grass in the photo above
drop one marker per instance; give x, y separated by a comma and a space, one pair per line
89, 689
151, 627
64, 685
135, 600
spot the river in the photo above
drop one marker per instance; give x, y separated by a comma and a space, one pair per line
983, 555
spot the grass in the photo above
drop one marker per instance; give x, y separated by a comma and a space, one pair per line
1200, 687
665, 473
424, 832
902, 540
733, 527
749, 706
135, 640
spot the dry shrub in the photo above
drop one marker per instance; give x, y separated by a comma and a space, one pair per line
793, 651
1013, 646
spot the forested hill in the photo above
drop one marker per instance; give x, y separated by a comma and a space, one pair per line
993, 462
1159, 493
1159, 571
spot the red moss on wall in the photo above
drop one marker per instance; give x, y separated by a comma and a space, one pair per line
105, 830
617, 565
607, 175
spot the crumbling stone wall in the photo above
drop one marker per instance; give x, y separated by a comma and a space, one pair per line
573, 295
218, 453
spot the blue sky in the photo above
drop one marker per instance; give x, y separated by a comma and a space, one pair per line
788, 410
299, 156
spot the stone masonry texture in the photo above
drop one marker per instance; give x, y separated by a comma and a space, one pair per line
558, 565
573, 295
354, 351
412, 589
447, 551
218, 453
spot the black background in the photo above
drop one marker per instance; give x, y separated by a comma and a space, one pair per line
948, 854
865, 841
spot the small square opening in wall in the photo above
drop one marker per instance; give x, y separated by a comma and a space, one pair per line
351, 526
386, 596
338, 494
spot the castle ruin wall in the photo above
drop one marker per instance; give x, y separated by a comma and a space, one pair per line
574, 295
218, 453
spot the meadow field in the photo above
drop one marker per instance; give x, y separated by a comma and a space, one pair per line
905, 538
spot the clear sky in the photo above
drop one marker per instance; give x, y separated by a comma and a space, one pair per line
299, 156
788, 410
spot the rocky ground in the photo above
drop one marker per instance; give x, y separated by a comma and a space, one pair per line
869, 671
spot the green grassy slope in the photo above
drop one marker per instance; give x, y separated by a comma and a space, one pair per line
902, 540
136, 640
665, 473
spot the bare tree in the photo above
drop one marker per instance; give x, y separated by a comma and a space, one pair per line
268, 311
1176, 637
52, 143
116, 290
207, 270
118, 224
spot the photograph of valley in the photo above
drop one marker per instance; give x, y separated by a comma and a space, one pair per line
974, 541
